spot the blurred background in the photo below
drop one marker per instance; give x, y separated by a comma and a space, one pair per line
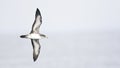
81, 33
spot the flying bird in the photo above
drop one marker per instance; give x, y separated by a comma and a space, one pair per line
34, 35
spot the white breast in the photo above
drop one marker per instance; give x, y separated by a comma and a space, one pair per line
34, 36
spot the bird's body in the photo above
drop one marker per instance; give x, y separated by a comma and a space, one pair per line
34, 35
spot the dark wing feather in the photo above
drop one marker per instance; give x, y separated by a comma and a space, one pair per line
36, 48
37, 22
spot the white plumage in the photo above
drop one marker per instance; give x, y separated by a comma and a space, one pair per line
34, 35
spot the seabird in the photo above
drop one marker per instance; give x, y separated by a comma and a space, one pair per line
34, 35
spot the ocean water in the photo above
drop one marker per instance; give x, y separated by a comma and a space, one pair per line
63, 50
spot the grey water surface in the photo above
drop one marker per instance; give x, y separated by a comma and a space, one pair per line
69, 50
81, 33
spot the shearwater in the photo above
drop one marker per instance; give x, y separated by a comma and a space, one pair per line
34, 35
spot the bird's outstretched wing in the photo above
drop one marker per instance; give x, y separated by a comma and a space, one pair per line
37, 22
36, 48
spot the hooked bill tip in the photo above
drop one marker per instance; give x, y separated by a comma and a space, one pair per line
22, 36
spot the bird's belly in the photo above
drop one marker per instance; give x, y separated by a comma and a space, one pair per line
34, 36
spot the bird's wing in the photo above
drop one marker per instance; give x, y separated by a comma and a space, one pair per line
36, 48
37, 22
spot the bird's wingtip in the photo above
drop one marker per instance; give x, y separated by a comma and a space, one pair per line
38, 12
37, 9
35, 57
